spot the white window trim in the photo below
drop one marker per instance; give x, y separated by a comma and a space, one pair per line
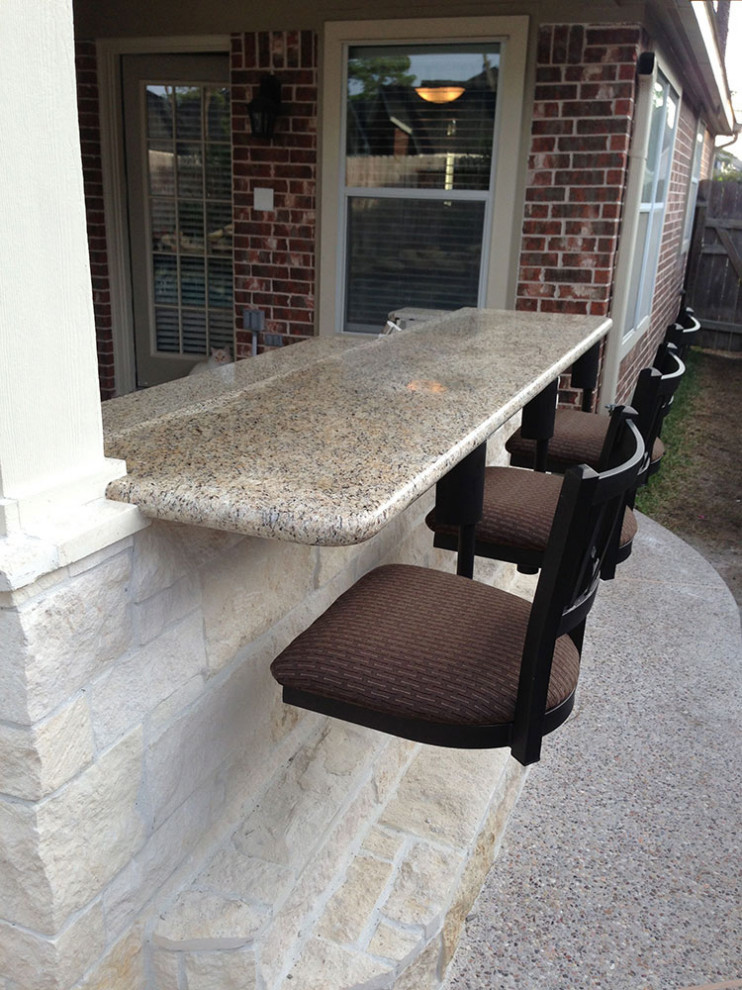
513, 33
618, 345
694, 180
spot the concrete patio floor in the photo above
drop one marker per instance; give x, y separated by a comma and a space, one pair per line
621, 867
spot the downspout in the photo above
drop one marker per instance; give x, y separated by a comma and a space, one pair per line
646, 75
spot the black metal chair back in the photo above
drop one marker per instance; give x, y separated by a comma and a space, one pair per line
683, 333
590, 507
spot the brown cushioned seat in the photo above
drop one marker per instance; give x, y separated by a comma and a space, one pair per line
578, 439
519, 509
411, 642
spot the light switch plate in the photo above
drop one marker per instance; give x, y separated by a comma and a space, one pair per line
263, 199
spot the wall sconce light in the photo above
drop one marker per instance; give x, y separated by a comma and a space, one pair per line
265, 107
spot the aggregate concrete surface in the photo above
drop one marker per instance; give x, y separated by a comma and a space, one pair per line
621, 867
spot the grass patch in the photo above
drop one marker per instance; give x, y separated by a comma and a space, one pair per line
658, 498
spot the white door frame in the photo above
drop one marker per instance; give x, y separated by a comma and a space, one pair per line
109, 52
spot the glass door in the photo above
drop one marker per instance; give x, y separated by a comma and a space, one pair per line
179, 183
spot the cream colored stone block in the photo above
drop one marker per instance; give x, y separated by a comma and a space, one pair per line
166, 969
424, 886
383, 844
424, 973
166, 552
324, 965
349, 911
331, 561
58, 856
232, 873
92, 828
136, 684
122, 967
322, 871
444, 794
293, 815
34, 762
153, 615
221, 970
32, 962
228, 727
387, 772
13, 697
73, 632
173, 706
24, 888
248, 590
186, 836
92, 560
395, 943
201, 920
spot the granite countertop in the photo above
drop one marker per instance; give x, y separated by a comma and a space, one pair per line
326, 441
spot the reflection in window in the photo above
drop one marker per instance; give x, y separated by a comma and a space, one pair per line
189, 169
656, 182
419, 136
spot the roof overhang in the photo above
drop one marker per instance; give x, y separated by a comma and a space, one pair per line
690, 28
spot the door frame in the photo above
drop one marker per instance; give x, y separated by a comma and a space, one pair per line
115, 200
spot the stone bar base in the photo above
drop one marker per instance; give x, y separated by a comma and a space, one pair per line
355, 868
166, 820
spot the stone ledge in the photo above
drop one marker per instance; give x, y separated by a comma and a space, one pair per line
63, 538
355, 869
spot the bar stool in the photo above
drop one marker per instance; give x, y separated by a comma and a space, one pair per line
538, 417
578, 436
518, 506
442, 659
683, 333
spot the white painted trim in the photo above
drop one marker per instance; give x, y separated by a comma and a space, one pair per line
694, 180
708, 33
618, 345
109, 52
513, 31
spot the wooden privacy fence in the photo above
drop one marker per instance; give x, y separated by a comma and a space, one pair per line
714, 282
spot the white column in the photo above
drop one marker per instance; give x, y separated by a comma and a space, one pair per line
51, 441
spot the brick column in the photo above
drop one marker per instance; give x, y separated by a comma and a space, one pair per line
274, 251
583, 110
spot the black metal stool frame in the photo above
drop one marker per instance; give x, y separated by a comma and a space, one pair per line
588, 509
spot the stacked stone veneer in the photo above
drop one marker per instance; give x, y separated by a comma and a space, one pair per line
138, 726
87, 100
274, 251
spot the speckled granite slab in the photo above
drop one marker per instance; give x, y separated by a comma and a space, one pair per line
324, 443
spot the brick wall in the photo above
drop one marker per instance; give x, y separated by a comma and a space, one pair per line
274, 252
580, 133
87, 97
582, 113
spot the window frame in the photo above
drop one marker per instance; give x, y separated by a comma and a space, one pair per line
694, 181
633, 326
497, 272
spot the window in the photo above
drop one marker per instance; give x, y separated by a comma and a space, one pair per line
414, 177
693, 182
654, 192
419, 133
